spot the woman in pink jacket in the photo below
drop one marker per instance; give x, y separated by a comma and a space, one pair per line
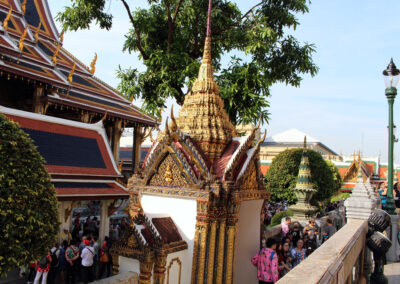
266, 261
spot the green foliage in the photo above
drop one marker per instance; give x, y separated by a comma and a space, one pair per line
169, 37
281, 177
28, 202
340, 196
336, 176
277, 218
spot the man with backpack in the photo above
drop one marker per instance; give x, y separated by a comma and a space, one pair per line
54, 254
42, 269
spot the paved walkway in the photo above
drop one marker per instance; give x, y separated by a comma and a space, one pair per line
392, 272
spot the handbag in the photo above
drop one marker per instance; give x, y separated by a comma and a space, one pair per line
104, 257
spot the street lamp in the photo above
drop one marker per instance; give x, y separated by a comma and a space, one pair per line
391, 78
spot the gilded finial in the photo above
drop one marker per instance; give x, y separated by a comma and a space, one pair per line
174, 125
61, 37
151, 136
54, 58
93, 64
23, 6
5, 23
21, 40
37, 31
166, 127
70, 76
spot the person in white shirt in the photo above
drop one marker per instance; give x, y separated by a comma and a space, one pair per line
87, 262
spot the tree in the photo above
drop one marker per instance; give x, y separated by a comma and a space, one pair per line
28, 202
281, 177
336, 176
169, 37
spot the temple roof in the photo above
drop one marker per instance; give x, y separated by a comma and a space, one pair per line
36, 65
202, 115
77, 155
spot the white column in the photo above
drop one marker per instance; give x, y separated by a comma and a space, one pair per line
104, 219
393, 253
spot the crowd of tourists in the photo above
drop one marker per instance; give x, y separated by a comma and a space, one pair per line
382, 189
80, 256
271, 208
279, 255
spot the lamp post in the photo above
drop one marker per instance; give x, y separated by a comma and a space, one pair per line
391, 78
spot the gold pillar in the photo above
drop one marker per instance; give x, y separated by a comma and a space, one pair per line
211, 252
137, 142
38, 106
230, 254
195, 254
116, 133
146, 267
202, 255
221, 249
159, 269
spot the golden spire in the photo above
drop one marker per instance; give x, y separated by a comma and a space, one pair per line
23, 7
202, 115
71, 74
93, 64
5, 23
21, 40
37, 31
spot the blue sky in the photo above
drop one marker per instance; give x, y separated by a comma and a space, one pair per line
343, 106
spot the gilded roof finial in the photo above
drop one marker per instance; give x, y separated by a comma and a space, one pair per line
54, 58
37, 31
93, 64
70, 76
174, 125
21, 40
5, 23
202, 115
61, 37
23, 7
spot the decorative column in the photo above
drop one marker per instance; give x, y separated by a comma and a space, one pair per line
304, 189
104, 219
137, 141
38, 106
221, 249
146, 267
117, 132
211, 251
160, 268
230, 250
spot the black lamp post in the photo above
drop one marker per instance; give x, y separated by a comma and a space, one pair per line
391, 78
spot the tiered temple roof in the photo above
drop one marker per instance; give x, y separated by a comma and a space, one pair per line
31, 50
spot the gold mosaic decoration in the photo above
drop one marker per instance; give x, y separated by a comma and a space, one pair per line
250, 182
168, 166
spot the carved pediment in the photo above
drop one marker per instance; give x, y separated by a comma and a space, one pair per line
169, 174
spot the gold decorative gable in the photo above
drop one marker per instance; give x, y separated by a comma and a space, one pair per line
250, 181
168, 174
352, 173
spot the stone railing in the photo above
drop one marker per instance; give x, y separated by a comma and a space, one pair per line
338, 260
123, 278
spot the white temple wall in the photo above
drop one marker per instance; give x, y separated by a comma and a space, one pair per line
175, 268
127, 264
183, 213
248, 241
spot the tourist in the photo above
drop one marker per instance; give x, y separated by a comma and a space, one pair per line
87, 262
285, 261
329, 230
309, 244
62, 261
72, 255
296, 232
114, 233
31, 275
396, 195
105, 258
54, 254
382, 190
311, 229
96, 248
266, 261
298, 253
66, 235
75, 233
285, 226
42, 269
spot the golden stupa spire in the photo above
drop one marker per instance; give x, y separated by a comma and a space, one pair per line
202, 115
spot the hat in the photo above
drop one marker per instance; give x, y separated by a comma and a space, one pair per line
87, 242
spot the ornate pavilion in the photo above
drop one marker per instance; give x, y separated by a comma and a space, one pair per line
196, 205
74, 118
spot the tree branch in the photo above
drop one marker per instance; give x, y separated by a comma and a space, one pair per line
176, 11
138, 44
170, 24
249, 11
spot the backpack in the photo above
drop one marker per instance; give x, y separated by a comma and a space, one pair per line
43, 262
54, 258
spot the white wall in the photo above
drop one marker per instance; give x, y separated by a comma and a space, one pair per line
127, 264
173, 277
248, 240
183, 213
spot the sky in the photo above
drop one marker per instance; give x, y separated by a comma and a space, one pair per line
343, 106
